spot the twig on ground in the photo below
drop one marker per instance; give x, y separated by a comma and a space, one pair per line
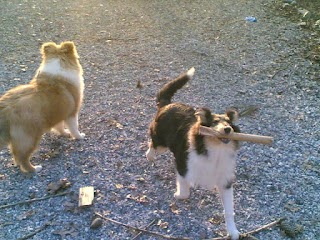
145, 228
33, 200
250, 237
264, 227
249, 234
36, 231
141, 230
278, 71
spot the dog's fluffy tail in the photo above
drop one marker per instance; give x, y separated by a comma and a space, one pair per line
167, 91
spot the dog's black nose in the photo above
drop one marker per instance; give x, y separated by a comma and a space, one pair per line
227, 130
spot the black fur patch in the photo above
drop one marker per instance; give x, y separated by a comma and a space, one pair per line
166, 93
170, 129
232, 114
200, 145
204, 116
236, 129
208, 117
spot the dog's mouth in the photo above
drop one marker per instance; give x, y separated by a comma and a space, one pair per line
225, 140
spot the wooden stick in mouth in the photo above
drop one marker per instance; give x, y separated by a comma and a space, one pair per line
206, 131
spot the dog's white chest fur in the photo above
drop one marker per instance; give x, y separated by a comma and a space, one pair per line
54, 67
214, 169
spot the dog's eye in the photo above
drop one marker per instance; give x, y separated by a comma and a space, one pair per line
215, 121
228, 121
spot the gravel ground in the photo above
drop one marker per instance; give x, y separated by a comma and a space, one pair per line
237, 63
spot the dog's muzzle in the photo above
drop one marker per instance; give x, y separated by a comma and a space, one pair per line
227, 130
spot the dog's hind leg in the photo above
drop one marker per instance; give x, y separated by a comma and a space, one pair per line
226, 195
22, 146
161, 150
59, 129
183, 188
151, 154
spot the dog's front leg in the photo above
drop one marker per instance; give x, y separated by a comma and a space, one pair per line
183, 188
72, 125
226, 195
151, 153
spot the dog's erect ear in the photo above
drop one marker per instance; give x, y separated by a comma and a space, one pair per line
232, 114
204, 116
49, 47
67, 47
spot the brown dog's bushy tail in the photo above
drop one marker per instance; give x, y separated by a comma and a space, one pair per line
167, 91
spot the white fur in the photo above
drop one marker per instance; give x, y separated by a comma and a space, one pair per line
53, 67
183, 188
214, 169
151, 154
72, 125
38, 168
226, 196
190, 72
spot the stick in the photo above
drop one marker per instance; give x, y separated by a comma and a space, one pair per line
33, 200
35, 232
141, 230
248, 234
145, 228
206, 131
279, 70
265, 226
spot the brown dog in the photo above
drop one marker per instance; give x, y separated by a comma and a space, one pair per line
51, 100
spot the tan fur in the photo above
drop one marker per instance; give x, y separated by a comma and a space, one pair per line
28, 111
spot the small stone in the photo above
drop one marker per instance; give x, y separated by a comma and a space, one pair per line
289, 1
304, 12
96, 223
302, 24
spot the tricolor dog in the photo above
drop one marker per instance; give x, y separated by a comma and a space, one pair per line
203, 161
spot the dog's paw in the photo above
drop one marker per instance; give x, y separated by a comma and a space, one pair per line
181, 196
37, 168
150, 154
65, 133
234, 234
61, 132
80, 136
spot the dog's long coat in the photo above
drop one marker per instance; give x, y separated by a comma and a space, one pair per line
51, 100
200, 160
